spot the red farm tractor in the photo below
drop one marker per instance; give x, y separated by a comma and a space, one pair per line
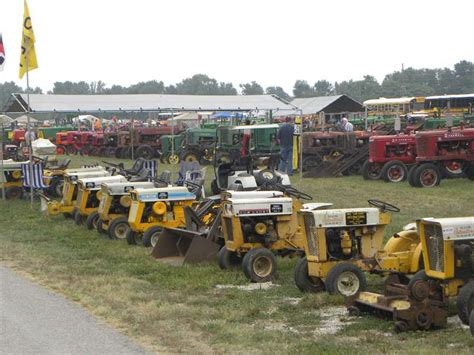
442, 153
390, 157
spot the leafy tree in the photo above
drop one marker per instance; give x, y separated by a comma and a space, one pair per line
97, 87
252, 88
323, 88
199, 84
147, 87
116, 90
360, 90
68, 87
464, 77
171, 90
303, 89
278, 91
227, 89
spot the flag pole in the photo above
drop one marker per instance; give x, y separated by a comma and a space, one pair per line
2, 169
30, 146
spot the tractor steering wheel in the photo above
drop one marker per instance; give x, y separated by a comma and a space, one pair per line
291, 191
192, 184
120, 166
383, 206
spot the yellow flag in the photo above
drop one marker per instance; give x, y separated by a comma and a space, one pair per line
27, 45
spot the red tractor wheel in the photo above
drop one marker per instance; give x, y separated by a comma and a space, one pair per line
371, 171
71, 150
60, 150
452, 169
394, 171
427, 175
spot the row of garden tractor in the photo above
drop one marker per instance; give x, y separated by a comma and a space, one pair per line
423, 158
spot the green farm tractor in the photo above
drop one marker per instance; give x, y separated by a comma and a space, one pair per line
198, 145
171, 147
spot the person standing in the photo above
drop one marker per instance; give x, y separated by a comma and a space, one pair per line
346, 125
285, 138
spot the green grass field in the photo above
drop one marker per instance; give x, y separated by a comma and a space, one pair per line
187, 309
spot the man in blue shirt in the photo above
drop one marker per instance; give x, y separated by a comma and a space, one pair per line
285, 138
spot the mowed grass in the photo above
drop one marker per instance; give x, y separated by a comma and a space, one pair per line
170, 309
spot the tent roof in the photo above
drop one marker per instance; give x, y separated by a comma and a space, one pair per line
97, 103
314, 105
24, 119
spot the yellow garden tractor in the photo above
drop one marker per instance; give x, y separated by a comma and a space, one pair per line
89, 194
11, 178
153, 209
257, 225
341, 244
69, 193
421, 303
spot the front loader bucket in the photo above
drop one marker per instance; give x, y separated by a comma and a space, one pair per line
179, 246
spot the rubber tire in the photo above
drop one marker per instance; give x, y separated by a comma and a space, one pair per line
13, 192
366, 171
310, 162
303, 281
126, 153
131, 238
391, 164
248, 260
227, 259
149, 234
450, 175
114, 224
91, 220
214, 188
145, 152
99, 227
333, 274
469, 171
420, 169
191, 155
411, 173
67, 215
261, 179
78, 218
465, 302
57, 186
471, 323
118, 152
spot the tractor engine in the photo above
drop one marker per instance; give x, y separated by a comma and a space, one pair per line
259, 230
342, 243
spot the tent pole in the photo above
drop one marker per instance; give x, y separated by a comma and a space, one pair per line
30, 146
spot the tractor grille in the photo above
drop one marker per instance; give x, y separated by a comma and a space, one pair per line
312, 238
435, 246
228, 226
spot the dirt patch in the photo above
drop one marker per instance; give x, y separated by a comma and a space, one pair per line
249, 287
455, 322
333, 319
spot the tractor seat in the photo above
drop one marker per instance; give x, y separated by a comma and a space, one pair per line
163, 180
136, 168
143, 175
244, 175
195, 189
63, 165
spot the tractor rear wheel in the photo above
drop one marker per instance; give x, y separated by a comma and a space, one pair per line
91, 220
469, 171
223, 158
465, 302
78, 218
394, 171
60, 150
259, 265
190, 157
303, 281
452, 169
118, 228
427, 175
471, 323
133, 238
13, 192
118, 152
150, 237
310, 162
145, 152
371, 171
227, 259
345, 279
126, 153
100, 227
411, 174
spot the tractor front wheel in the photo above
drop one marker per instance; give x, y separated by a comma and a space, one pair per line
118, 228
150, 237
427, 175
345, 279
100, 227
145, 152
452, 169
173, 159
227, 259
465, 302
259, 265
371, 171
303, 281
13, 192
78, 218
133, 238
394, 171
91, 220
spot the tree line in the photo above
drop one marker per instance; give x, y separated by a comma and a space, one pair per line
407, 82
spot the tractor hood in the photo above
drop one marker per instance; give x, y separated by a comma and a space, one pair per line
94, 183
259, 206
227, 195
460, 228
313, 206
346, 217
178, 193
86, 174
124, 188
85, 170
10, 165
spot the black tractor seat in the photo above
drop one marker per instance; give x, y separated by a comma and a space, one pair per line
143, 175
136, 168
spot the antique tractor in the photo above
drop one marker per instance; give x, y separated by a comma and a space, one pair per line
421, 302
389, 157
442, 152
11, 180
171, 148
198, 145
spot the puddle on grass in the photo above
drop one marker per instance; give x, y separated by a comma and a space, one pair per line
332, 320
249, 287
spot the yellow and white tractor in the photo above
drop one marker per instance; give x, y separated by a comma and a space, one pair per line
11, 180
448, 255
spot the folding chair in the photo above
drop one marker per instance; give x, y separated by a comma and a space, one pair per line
34, 181
152, 166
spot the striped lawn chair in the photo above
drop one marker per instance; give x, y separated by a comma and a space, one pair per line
152, 166
33, 182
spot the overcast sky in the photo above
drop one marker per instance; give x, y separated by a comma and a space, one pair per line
272, 42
